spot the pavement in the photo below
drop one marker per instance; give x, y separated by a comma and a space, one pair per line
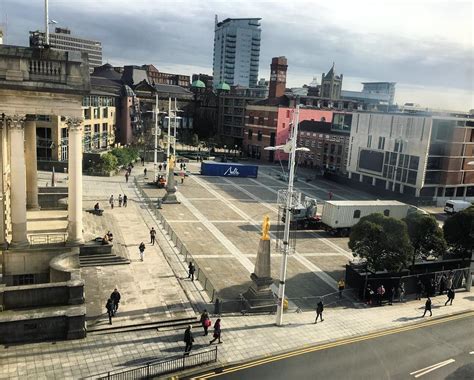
158, 288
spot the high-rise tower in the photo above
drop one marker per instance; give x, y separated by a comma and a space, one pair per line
236, 51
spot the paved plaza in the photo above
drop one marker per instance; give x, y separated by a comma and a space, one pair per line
219, 219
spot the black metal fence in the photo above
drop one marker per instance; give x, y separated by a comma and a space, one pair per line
163, 367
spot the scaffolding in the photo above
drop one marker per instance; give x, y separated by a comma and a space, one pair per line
282, 198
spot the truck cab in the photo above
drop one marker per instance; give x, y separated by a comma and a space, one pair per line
454, 206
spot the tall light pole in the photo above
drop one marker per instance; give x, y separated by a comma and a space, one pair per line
46, 22
169, 137
155, 155
291, 148
175, 111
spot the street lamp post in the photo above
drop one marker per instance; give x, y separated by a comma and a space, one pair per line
169, 137
155, 155
291, 148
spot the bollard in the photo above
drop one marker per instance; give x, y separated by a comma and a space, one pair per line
217, 307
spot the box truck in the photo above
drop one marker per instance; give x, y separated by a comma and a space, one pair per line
454, 206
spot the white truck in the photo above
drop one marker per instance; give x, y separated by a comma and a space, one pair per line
338, 217
454, 206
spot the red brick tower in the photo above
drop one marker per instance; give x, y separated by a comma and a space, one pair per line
277, 77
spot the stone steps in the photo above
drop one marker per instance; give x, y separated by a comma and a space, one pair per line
92, 260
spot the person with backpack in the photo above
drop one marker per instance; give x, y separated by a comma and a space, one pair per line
205, 321
141, 248
451, 295
319, 311
188, 339
110, 309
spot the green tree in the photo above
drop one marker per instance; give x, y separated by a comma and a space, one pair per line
425, 235
459, 232
382, 241
108, 162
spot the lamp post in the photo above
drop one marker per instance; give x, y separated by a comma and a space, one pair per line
291, 148
225, 156
155, 155
235, 151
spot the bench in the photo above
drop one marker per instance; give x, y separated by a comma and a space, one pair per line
96, 212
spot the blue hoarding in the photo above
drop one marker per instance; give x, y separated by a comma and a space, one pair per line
228, 169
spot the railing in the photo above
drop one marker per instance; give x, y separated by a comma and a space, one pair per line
163, 367
51, 238
40, 69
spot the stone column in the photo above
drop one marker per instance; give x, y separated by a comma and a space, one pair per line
18, 181
75, 182
31, 165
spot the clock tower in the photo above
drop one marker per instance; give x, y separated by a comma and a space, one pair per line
278, 69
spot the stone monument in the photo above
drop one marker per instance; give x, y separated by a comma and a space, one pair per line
170, 196
259, 296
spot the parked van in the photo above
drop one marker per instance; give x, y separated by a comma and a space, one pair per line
453, 206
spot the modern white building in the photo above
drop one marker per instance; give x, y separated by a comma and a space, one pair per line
378, 93
236, 51
424, 155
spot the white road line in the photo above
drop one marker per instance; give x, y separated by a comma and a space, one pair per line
319, 236
471, 353
424, 371
313, 268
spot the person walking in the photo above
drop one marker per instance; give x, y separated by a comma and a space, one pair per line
319, 311
160, 167
115, 297
164, 165
205, 321
111, 201
188, 339
401, 292
341, 285
451, 295
380, 294
191, 270
369, 294
141, 248
428, 307
120, 200
127, 174
217, 331
110, 309
152, 235
144, 172
419, 289
330, 195
125, 200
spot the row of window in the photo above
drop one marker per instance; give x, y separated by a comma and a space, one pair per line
96, 113
250, 135
98, 101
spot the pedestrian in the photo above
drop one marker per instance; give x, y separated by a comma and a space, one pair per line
217, 331
428, 307
125, 200
127, 174
380, 294
115, 297
164, 165
449, 280
341, 285
152, 235
181, 166
369, 293
188, 339
442, 284
111, 201
191, 270
401, 292
391, 294
330, 194
205, 321
419, 289
110, 309
319, 311
141, 248
181, 177
143, 160
451, 295
120, 199
159, 167
144, 172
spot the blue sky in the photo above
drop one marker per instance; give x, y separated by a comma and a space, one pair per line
426, 46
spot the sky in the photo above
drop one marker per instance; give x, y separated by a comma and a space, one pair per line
426, 46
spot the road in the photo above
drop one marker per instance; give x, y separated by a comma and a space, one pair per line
435, 349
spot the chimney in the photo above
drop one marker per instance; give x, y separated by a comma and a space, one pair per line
277, 77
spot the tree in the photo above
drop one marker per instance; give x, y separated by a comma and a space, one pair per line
459, 233
382, 241
425, 235
108, 162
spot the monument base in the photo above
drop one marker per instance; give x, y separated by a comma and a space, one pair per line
259, 297
170, 198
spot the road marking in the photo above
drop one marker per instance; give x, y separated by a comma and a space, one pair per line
471, 353
424, 371
334, 344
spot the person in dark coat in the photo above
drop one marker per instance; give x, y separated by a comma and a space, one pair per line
428, 307
141, 248
125, 200
115, 297
152, 235
391, 293
450, 297
110, 309
188, 339
217, 331
369, 293
319, 311
205, 321
191, 270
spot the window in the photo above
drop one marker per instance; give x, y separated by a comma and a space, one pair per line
105, 112
386, 212
369, 141
356, 214
96, 113
250, 134
381, 143
259, 136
